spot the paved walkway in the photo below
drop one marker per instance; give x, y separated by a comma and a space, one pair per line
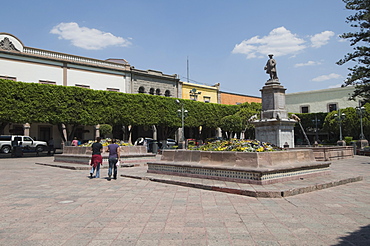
44, 205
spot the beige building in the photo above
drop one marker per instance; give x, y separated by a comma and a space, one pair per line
316, 101
201, 93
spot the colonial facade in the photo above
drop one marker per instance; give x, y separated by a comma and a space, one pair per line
154, 83
317, 101
26, 64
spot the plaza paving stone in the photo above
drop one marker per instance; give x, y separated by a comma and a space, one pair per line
46, 205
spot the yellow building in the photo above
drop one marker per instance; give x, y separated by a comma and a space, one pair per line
200, 93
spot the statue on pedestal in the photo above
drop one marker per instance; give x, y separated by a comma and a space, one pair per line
271, 68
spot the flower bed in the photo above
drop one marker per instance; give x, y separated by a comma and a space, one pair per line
238, 145
105, 142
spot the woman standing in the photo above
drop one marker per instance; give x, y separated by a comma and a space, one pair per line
114, 157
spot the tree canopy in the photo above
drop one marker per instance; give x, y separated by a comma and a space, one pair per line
360, 73
40, 103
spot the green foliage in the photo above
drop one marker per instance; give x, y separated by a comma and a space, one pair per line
348, 140
349, 122
105, 129
231, 124
359, 74
246, 111
36, 103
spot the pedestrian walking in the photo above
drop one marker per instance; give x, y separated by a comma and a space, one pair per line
113, 159
96, 159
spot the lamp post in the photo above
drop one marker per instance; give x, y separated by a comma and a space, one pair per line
362, 142
360, 112
316, 121
182, 113
340, 117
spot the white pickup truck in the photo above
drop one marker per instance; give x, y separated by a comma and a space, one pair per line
8, 141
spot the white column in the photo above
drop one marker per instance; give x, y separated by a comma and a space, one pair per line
26, 129
97, 130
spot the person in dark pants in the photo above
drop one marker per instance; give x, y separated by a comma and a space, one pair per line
114, 157
51, 146
96, 159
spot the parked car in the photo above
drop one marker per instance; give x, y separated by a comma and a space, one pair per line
148, 142
7, 142
171, 143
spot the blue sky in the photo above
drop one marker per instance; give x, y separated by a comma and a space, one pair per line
226, 41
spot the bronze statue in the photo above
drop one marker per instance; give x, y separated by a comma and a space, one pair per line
271, 68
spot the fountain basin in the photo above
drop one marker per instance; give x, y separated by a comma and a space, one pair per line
245, 167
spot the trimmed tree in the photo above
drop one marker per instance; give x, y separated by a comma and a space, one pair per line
360, 40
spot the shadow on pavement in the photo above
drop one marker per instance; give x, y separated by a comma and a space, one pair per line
29, 154
359, 237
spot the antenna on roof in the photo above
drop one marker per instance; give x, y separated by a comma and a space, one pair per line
187, 68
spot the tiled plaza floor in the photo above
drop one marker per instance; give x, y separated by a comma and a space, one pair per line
44, 205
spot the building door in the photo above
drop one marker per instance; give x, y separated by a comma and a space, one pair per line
44, 134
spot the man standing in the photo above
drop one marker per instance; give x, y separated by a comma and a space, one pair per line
271, 68
114, 157
96, 159
51, 147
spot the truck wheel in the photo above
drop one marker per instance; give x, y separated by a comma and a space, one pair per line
5, 149
39, 148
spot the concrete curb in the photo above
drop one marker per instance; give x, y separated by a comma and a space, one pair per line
252, 193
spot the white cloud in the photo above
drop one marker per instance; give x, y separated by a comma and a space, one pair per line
321, 39
279, 42
309, 63
326, 77
87, 38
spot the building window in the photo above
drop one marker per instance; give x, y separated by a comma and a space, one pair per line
167, 93
8, 78
207, 99
141, 89
158, 92
305, 109
47, 82
113, 89
151, 91
332, 107
83, 86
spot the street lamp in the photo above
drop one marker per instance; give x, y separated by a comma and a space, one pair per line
182, 113
316, 121
340, 117
361, 111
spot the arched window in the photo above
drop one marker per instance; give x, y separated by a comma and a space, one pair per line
167, 93
141, 89
158, 92
151, 91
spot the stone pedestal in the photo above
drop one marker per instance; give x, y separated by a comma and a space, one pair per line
277, 132
274, 126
